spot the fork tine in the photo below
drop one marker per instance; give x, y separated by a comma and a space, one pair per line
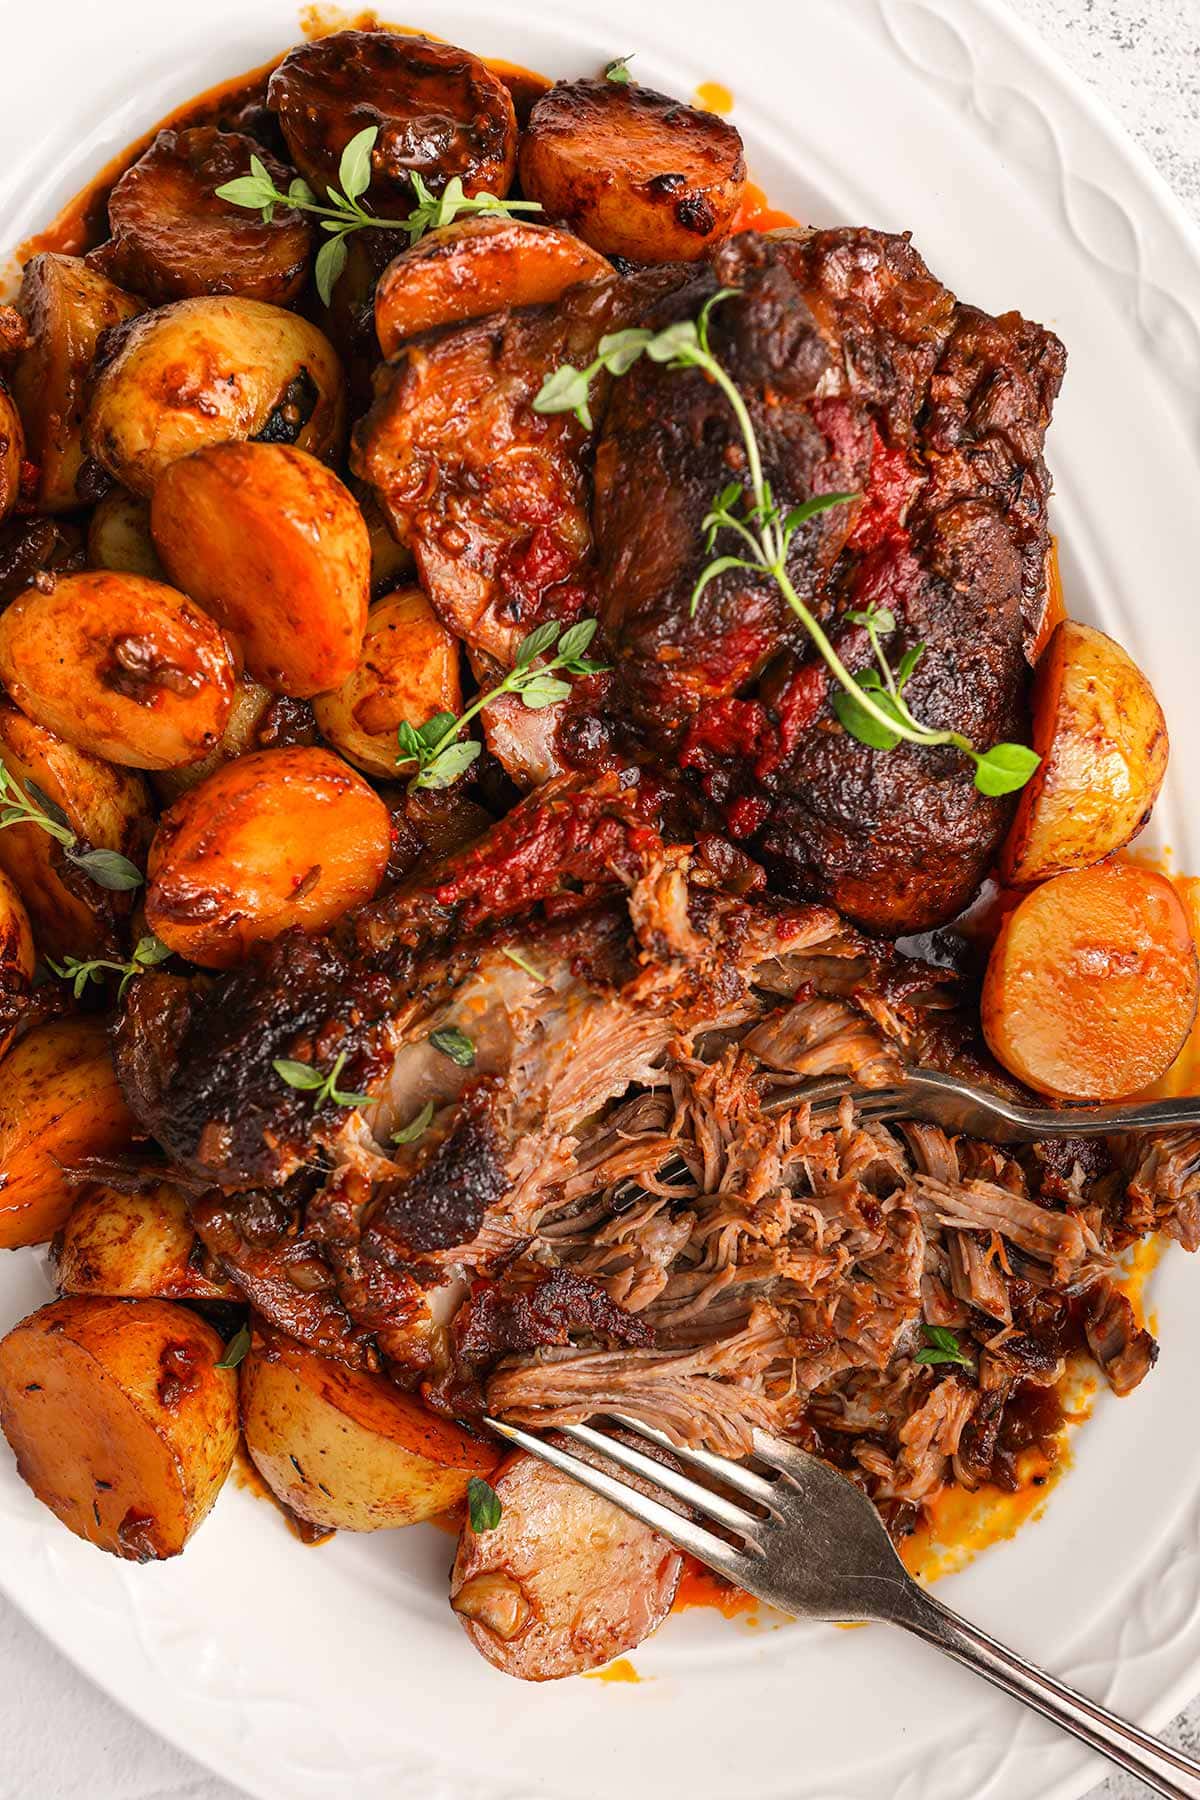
705, 1502
722, 1468
664, 1519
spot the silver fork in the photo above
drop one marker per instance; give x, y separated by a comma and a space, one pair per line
806, 1540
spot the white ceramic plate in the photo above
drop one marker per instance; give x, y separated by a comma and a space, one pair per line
302, 1674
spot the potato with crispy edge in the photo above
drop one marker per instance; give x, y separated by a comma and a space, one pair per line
12, 452
634, 172
59, 1103
124, 667
275, 547
120, 1420
1091, 986
349, 1450
17, 960
108, 809
565, 1581
276, 839
408, 669
477, 266
1102, 738
66, 306
119, 536
212, 370
138, 1246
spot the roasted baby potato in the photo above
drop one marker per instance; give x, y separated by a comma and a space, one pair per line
173, 239
126, 667
477, 266
12, 452
440, 112
271, 543
66, 306
212, 371
59, 1103
564, 1582
17, 960
1102, 739
119, 536
279, 838
247, 713
349, 1450
107, 808
391, 562
135, 1247
634, 172
120, 1420
408, 669
1091, 986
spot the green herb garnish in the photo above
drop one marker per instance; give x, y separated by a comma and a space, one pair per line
941, 1346
872, 708
442, 756
148, 952
455, 1044
618, 70
408, 1134
322, 1087
33, 807
235, 1350
514, 956
483, 1504
346, 214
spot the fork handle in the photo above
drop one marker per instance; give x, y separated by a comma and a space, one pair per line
1166, 1770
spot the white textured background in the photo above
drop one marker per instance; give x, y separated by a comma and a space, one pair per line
60, 1738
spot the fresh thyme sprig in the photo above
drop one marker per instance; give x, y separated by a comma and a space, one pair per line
438, 750
618, 70
416, 1127
322, 1087
871, 707
148, 952
941, 1346
258, 193
107, 868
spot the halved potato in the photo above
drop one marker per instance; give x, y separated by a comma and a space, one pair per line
634, 172
1102, 738
275, 547
477, 266
119, 536
350, 1450
565, 1581
120, 1420
247, 713
212, 371
59, 1103
135, 1247
108, 808
276, 839
66, 306
12, 452
17, 960
408, 669
122, 666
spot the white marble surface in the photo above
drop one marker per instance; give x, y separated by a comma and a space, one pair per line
61, 1738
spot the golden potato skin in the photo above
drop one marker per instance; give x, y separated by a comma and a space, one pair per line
59, 1103
120, 1421
269, 541
122, 666
119, 536
134, 1247
1103, 742
12, 452
276, 839
66, 306
349, 1450
634, 172
17, 960
210, 371
250, 705
107, 807
476, 266
408, 669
